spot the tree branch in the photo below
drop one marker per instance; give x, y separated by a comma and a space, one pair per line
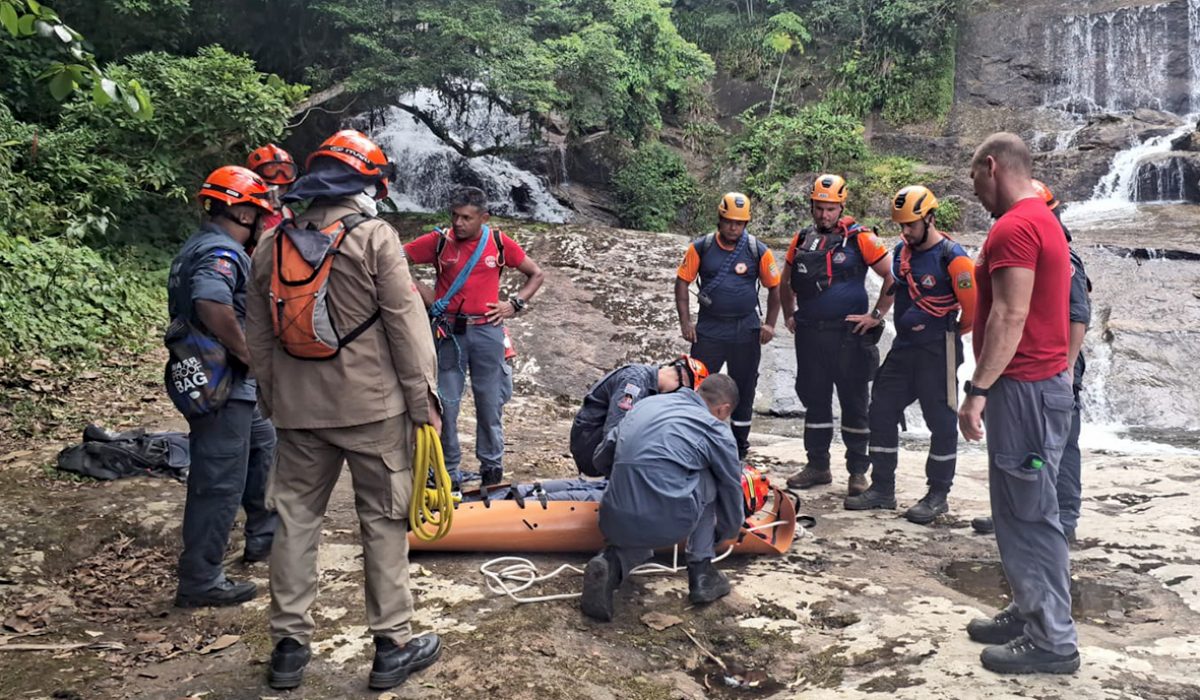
464, 149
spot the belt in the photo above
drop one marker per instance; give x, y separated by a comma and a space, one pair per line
831, 325
471, 319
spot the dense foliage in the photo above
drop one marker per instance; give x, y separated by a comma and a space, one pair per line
652, 187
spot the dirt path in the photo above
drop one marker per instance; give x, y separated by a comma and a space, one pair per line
867, 605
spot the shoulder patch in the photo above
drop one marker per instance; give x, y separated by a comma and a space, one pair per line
223, 266
963, 280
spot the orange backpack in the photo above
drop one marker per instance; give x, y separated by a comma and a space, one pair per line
299, 289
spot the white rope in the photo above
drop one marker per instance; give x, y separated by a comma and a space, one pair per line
517, 574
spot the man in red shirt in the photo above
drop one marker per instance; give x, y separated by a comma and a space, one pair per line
1021, 393
468, 323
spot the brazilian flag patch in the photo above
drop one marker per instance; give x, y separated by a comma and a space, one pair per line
964, 280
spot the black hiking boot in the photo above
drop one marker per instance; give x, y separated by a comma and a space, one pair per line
1001, 629
809, 477
287, 664
705, 582
601, 579
875, 497
256, 552
983, 526
927, 509
857, 485
227, 592
1021, 655
490, 477
394, 664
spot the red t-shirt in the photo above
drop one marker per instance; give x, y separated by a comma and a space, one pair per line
1029, 236
483, 286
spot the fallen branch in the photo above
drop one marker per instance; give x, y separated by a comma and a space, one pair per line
97, 646
706, 652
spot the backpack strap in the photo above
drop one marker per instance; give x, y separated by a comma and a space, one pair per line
497, 236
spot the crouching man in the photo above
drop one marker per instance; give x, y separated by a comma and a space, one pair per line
673, 472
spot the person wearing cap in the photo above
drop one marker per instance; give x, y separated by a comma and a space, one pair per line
360, 407
231, 446
615, 394
826, 305
468, 323
731, 265
1069, 484
935, 307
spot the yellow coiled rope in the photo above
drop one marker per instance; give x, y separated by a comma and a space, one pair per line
430, 510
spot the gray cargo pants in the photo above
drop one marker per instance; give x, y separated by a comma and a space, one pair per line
1027, 425
478, 352
701, 543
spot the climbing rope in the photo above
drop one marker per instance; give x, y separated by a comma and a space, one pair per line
432, 502
517, 574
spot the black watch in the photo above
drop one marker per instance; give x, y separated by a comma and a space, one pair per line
518, 304
973, 390
877, 314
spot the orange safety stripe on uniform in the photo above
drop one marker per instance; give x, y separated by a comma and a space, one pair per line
962, 276
689, 270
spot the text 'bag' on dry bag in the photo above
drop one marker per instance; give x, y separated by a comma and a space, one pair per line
198, 376
300, 286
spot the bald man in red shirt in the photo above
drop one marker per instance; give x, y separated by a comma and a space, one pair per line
1021, 393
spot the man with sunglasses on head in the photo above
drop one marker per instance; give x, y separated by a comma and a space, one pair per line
232, 445
615, 394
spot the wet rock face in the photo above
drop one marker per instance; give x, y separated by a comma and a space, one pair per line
1169, 177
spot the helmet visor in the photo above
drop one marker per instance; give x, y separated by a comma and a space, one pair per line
278, 172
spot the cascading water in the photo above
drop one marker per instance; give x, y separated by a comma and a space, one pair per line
429, 169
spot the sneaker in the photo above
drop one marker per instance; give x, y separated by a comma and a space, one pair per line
287, 664
1001, 629
601, 579
983, 526
857, 484
706, 583
227, 592
1021, 655
465, 476
874, 497
394, 663
927, 509
809, 477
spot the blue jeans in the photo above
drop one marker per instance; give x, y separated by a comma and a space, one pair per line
479, 352
231, 451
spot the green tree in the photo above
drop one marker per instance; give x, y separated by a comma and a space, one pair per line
787, 34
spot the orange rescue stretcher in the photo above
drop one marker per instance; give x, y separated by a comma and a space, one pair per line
574, 526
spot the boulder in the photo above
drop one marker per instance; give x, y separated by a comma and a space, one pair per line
1188, 142
1169, 177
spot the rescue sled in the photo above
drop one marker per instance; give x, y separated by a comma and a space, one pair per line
542, 525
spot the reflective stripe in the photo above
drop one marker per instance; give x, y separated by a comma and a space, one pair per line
741, 423
819, 425
889, 450
944, 458
856, 431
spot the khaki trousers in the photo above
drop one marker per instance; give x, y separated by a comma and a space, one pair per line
307, 466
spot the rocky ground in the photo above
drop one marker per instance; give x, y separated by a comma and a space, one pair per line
864, 605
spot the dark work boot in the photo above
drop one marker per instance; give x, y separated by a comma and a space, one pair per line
1021, 655
490, 477
809, 477
705, 582
927, 509
227, 592
601, 579
984, 526
856, 485
287, 664
256, 551
394, 664
1001, 629
878, 496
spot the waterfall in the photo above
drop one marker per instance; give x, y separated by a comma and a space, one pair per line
1194, 52
1113, 61
429, 170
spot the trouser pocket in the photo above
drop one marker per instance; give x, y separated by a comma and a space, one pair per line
400, 485
1024, 481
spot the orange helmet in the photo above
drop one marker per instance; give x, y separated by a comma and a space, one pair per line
913, 203
233, 184
1045, 193
829, 188
734, 206
274, 164
359, 152
695, 369
755, 489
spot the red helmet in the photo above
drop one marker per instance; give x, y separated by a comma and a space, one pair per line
274, 164
359, 152
233, 184
1045, 193
696, 369
755, 489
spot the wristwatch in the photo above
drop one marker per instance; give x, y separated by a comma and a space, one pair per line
518, 304
876, 314
973, 390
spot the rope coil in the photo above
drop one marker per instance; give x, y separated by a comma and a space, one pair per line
430, 507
